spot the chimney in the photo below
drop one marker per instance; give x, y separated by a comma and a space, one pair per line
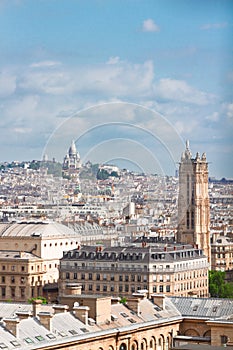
36, 305
12, 326
141, 294
73, 289
23, 315
60, 308
134, 304
45, 319
81, 312
115, 300
159, 300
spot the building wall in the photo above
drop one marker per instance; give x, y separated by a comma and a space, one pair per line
20, 279
121, 276
193, 202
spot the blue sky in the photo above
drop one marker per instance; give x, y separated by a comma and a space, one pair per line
74, 69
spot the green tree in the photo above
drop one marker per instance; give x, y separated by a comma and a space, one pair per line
44, 300
218, 287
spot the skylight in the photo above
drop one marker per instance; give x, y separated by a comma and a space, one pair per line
84, 330
3, 346
15, 343
50, 336
39, 337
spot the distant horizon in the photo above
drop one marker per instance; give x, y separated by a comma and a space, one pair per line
113, 164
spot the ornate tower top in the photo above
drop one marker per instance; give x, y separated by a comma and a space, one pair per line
72, 149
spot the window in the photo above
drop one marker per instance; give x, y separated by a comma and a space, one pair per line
12, 279
90, 276
161, 289
3, 279
139, 278
168, 289
126, 278
126, 288
22, 280
50, 336
3, 267
154, 289
15, 343
104, 288
104, 277
90, 287
112, 288
112, 278
67, 275
28, 340
75, 275
120, 288
39, 337
97, 276
22, 292
97, 287
83, 276
224, 339
22, 268
3, 292
13, 268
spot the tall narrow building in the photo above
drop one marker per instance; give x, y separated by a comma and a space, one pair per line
193, 202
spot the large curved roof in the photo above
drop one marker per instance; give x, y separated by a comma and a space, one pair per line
36, 229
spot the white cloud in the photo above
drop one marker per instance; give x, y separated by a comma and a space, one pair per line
113, 60
219, 25
150, 26
7, 84
230, 110
214, 117
115, 79
179, 90
45, 64
22, 130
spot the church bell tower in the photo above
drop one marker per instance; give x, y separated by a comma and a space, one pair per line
193, 202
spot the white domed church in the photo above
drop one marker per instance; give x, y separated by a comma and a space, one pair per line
71, 163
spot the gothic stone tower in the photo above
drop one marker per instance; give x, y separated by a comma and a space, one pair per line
193, 202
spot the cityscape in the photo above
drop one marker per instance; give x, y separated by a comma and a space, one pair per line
110, 248
116, 175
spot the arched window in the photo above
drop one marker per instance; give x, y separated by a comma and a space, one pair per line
123, 346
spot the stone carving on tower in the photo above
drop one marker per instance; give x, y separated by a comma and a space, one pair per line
71, 164
193, 202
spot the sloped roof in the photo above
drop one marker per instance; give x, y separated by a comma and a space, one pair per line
203, 307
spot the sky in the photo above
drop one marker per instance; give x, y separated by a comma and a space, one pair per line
130, 81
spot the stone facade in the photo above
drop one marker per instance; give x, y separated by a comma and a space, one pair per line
193, 202
120, 271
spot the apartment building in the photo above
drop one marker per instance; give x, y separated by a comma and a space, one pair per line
180, 270
29, 256
21, 276
222, 254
